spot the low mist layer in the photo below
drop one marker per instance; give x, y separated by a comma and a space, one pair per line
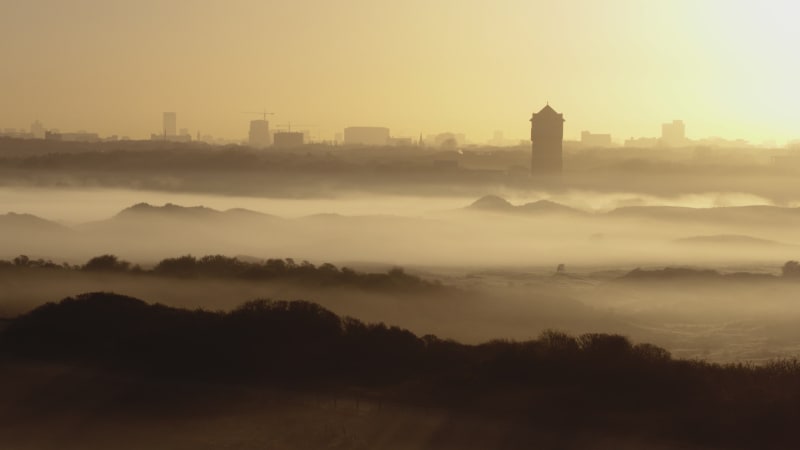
717, 316
488, 232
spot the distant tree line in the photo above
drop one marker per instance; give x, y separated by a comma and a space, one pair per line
557, 381
790, 271
308, 170
218, 266
24, 262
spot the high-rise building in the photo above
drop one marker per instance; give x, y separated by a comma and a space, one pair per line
259, 134
595, 140
547, 136
377, 136
170, 124
497, 139
288, 139
37, 130
673, 134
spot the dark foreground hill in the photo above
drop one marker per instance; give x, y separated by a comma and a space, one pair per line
591, 391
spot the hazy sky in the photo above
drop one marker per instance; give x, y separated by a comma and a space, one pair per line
726, 67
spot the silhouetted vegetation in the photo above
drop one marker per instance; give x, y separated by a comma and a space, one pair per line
106, 263
685, 274
219, 266
595, 382
223, 267
24, 262
791, 269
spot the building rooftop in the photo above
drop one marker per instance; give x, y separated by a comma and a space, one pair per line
548, 111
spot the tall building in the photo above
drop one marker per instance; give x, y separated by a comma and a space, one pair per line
595, 140
288, 139
259, 134
547, 136
377, 136
673, 134
497, 139
170, 124
37, 130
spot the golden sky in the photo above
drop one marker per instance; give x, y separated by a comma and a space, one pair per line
726, 67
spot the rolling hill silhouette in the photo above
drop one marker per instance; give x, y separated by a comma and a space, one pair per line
687, 274
731, 239
13, 222
145, 232
144, 218
753, 214
173, 211
594, 384
491, 203
494, 203
549, 207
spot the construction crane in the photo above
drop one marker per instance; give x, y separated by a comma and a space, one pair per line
289, 126
261, 113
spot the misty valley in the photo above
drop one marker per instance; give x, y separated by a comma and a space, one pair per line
415, 225
702, 282
177, 316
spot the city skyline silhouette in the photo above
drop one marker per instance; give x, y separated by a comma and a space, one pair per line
617, 67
